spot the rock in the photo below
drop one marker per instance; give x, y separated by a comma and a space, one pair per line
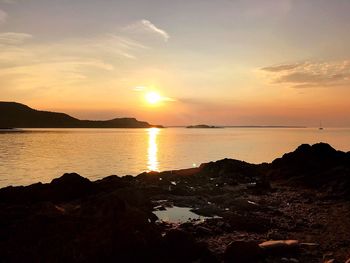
206, 256
209, 211
331, 261
233, 170
276, 235
65, 188
279, 246
202, 231
70, 186
242, 252
250, 223
317, 166
279, 243
180, 246
159, 208
290, 260
348, 261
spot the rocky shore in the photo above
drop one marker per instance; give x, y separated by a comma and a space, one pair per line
295, 209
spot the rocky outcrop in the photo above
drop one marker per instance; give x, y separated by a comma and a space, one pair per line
317, 166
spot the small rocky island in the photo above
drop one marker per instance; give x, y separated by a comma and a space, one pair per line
202, 126
295, 209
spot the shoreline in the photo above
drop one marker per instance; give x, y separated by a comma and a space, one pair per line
303, 196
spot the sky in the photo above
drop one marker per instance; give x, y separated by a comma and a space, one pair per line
223, 62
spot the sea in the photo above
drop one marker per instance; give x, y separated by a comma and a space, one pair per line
39, 155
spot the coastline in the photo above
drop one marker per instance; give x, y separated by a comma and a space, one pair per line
304, 196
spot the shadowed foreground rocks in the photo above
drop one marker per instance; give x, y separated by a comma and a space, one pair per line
295, 209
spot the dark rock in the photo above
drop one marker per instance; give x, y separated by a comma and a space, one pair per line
64, 188
209, 211
242, 252
239, 171
202, 231
70, 186
250, 223
318, 166
180, 246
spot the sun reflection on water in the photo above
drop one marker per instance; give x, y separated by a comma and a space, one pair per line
153, 164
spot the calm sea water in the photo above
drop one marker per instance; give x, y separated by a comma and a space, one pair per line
42, 154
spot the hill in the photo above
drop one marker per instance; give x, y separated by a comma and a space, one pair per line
16, 115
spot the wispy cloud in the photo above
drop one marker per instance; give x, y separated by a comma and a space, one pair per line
146, 26
13, 38
66, 66
139, 88
282, 67
3, 16
152, 28
310, 74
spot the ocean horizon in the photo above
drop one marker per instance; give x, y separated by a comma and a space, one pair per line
40, 155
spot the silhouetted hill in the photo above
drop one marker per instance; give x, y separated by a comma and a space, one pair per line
16, 115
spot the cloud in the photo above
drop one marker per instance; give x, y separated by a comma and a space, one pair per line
281, 67
118, 45
139, 88
146, 26
12, 38
3, 16
152, 28
310, 74
99, 66
65, 66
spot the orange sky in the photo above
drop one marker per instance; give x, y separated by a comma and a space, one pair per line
284, 62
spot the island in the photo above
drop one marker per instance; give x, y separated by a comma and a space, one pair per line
295, 209
202, 126
17, 115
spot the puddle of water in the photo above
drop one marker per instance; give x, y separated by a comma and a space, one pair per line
177, 214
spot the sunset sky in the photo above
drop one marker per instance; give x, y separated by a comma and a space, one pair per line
224, 62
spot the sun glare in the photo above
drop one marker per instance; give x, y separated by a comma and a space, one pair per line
153, 97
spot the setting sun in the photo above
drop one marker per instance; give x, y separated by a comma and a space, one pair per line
153, 97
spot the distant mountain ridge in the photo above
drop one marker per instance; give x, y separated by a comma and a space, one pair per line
17, 115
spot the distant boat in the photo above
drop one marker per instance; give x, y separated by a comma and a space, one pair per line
320, 128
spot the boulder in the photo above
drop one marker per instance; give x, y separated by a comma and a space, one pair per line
243, 252
180, 246
279, 246
250, 223
317, 166
70, 186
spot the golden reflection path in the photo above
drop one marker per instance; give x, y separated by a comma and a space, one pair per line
153, 164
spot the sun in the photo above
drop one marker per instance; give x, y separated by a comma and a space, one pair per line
153, 97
